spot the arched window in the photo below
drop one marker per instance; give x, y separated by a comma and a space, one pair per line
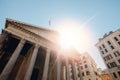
87, 73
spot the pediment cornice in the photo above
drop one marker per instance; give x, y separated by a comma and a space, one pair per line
23, 24
44, 34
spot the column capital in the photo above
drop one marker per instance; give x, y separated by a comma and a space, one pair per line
37, 45
22, 41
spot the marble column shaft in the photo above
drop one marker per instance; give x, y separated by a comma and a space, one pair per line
46, 65
67, 70
80, 72
74, 71
5, 73
58, 67
31, 64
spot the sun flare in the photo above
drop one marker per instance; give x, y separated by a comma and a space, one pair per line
68, 37
73, 35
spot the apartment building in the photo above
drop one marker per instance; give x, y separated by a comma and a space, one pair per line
89, 68
109, 48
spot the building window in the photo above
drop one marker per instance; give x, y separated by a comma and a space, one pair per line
119, 73
108, 65
119, 42
87, 73
112, 47
113, 64
102, 52
96, 73
105, 58
83, 74
114, 75
108, 57
81, 67
116, 53
103, 45
119, 60
100, 48
116, 39
109, 42
85, 66
106, 50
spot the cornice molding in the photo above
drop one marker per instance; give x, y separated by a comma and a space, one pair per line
33, 35
8, 20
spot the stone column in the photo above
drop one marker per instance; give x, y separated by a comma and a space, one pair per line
46, 65
5, 73
31, 64
74, 70
58, 67
80, 72
67, 70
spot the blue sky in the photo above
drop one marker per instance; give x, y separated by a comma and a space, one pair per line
105, 15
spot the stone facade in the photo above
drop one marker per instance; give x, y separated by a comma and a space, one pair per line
29, 52
109, 48
89, 68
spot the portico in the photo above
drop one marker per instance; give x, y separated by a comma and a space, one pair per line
31, 53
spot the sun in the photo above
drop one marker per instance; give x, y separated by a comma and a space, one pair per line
68, 37
73, 34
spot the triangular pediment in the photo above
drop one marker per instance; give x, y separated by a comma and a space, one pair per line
43, 32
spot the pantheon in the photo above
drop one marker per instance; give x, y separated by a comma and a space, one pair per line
29, 52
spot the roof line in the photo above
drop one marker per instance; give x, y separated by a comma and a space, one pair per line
39, 27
